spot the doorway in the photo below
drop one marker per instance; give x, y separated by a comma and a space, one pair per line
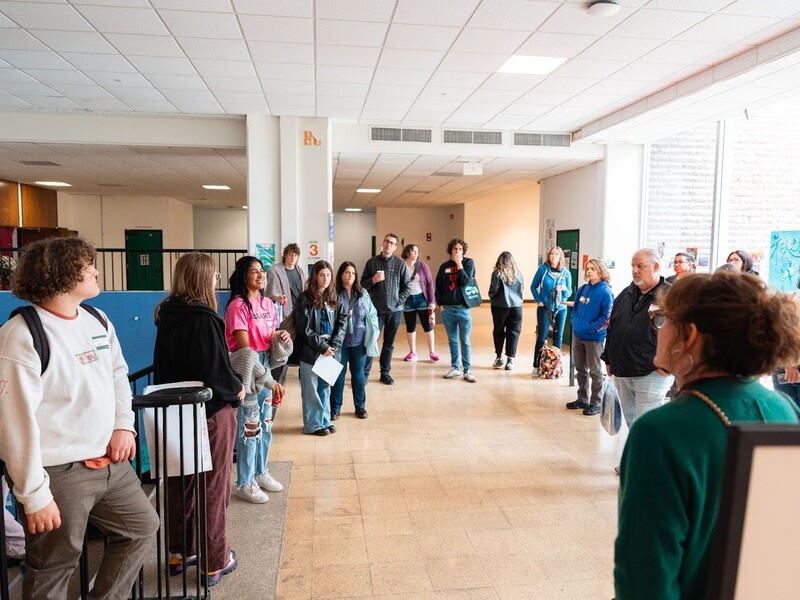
144, 260
569, 241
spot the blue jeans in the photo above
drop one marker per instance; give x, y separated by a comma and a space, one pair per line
790, 389
355, 356
315, 393
254, 416
543, 326
638, 395
458, 325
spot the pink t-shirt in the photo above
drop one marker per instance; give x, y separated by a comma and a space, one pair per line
259, 323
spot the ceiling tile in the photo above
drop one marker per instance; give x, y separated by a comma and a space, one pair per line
353, 33
435, 12
197, 47
388, 104
614, 48
177, 82
763, 8
472, 62
51, 76
274, 86
240, 97
19, 39
161, 66
9, 101
658, 24
233, 84
75, 41
342, 89
31, 59
155, 106
12, 75
394, 91
115, 79
726, 28
496, 41
335, 73
616, 86
139, 93
347, 55
109, 104
449, 94
40, 15
291, 99
556, 44
100, 62
642, 71
124, 20
521, 15
145, 45
358, 10
424, 105
393, 58
457, 79
340, 102
52, 102
224, 68
219, 6
708, 6
28, 88
402, 76
201, 25
509, 81
579, 67
564, 84
285, 71
421, 37
282, 52
277, 29
187, 96
683, 53
574, 19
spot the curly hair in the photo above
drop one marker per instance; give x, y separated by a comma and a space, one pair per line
747, 330
290, 249
51, 267
453, 243
316, 297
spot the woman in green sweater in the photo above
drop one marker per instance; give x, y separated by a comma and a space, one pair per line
716, 334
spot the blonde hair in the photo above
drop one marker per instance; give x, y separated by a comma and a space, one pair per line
506, 266
602, 268
561, 257
193, 281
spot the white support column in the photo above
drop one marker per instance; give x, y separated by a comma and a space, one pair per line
263, 183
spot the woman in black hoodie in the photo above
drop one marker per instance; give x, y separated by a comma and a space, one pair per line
190, 345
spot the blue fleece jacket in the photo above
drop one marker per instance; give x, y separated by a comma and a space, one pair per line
543, 283
592, 311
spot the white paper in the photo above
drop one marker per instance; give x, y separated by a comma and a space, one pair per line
328, 368
175, 423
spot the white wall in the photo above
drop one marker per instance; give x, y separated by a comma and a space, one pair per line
413, 225
82, 214
223, 229
352, 237
505, 221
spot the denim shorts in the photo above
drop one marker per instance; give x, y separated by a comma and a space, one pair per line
415, 302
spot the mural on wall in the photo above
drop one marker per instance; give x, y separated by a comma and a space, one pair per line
784, 261
266, 254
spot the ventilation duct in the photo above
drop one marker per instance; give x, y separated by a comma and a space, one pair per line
395, 134
450, 136
541, 139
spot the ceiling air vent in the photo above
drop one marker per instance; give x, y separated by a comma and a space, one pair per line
39, 163
541, 139
395, 134
451, 136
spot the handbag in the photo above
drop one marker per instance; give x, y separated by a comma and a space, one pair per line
610, 409
471, 294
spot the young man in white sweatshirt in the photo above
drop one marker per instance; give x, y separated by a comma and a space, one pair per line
66, 435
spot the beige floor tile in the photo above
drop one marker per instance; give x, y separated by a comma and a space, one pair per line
499, 542
421, 501
458, 573
389, 503
378, 487
361, 457
339, 551
334, 457
346, 526
587, 589
444, 544
393, 548
334, 471
396, 523
335, 487
400, 577
293, 584
412, 596
473, 594
543, 590
295, 553
351, 581
337, 506
439, 519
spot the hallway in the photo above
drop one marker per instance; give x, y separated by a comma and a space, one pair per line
449, 490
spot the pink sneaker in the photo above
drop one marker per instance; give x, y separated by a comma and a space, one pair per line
434, 357
410, 356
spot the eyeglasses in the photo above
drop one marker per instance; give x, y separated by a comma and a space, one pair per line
657, 319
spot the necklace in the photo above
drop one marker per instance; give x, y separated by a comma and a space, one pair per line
711, 404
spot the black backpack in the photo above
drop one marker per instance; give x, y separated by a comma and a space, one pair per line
34, 323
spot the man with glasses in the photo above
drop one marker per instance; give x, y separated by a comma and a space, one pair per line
632, 339
683, 264
388, 282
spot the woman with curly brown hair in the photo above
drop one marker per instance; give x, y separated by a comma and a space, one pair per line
716, 333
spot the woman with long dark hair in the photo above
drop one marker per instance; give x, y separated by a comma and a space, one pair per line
360, 340
320, 322
250, 322
190, 346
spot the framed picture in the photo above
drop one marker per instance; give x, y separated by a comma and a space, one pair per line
754, 549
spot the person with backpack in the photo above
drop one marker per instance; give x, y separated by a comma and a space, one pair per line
67, 428
590, 314
551, 287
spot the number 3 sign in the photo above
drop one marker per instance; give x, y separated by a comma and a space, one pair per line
313, 249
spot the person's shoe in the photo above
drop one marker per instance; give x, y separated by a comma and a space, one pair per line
576, 405
334, 415
251, 493
591, 410
215, 576
509, 365
535, 373
498, 363
410, 356
468, 376
387, 379
323, 431
177, 564
434, 357
452, 373
268, 482
332, 428
361, 413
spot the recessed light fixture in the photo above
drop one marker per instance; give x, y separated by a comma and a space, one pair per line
244, 206
53, 183
604, 8
352, 210
216, 187
367, 191
521, 64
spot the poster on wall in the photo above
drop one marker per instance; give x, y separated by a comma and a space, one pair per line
313, 254
549, 234
266, 254
784, 261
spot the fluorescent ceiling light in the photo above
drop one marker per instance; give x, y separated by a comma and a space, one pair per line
216, 187
531, 65
352, 210
244, 206
53, 183
604, 8
367, 191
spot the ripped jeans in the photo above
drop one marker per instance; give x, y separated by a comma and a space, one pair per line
254, 435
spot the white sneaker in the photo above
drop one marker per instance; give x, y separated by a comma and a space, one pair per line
535, 373
251, 493
269, 483
468, 376
452, 374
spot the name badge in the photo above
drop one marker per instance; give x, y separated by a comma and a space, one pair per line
85, 358
100, 342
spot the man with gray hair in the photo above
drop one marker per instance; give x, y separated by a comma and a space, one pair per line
631, 340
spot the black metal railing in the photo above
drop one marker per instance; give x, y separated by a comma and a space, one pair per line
123, 269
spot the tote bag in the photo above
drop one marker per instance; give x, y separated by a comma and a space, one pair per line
610, 409
471, 294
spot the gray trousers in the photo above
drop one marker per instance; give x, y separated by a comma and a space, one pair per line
112, 499
588, 366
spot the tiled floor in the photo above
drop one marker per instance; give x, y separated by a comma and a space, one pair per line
451, 490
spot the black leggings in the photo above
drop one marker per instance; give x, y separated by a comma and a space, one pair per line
411, 320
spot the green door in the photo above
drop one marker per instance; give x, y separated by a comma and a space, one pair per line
144, 259
569, 241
